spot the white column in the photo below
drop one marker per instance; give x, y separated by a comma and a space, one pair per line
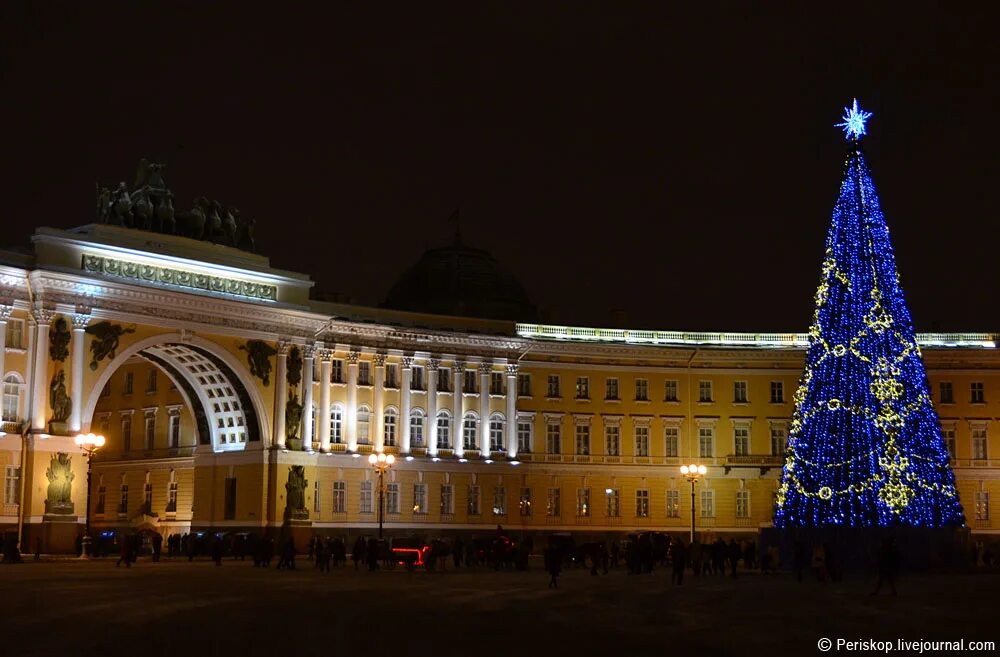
404, 405
280, 394
511, 411
431, 423
323, 417
40, 397
485, 369
5, 312
352, 401
308, 358
80, 321
378, 401
458, 370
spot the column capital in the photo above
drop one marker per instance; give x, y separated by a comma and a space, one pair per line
324, 355
283, 347
380, 359
80, 321
407, 362
353, 357
309, 351
485, 368
458, 365
434, 363
512, 369
5, 312
43, 315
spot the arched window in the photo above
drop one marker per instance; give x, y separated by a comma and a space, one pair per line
364, 425
417, 428
444, 430
496, 432
469, 431
389, 427
337, 424
11, 398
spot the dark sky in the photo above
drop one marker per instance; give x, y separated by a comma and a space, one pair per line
680, 165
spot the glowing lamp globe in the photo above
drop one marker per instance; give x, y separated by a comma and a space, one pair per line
372, 459
389, 458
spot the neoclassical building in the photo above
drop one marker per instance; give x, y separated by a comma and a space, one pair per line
231, 401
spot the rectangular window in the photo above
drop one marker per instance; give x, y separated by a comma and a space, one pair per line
982, 505
171, 498
741, 440
642, 440
11, 400
149, 435
174, 430
611, 388
469, 433
779, 441
706, 442
472, 500
12, 485
948, 434
673, 504
364, 373
523, 385
447, 499
742, 504
496, 383
229, 510
147, 499
444, 432
582, 387
123, 500
583, 439
470, 384
708, 504
641, 390
126, 433
444, 379
642, 503
365, 505
417, 430
102, 498
671, 439
127, 389
553, 437
340, 497
392, 498
552, 504
613, 502
151, 382
670, 394
612, 440
553, 387
499, 500
420, 498
777, 392
978, 396
947, 393
979, 444
524, 502
15, 334
416, 378
391, 377
583, 502
740, 392
364, 424
337, 370
496, 435
389, 430
524, 436
705, 392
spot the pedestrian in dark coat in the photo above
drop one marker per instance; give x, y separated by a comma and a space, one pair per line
553, 565
678, 561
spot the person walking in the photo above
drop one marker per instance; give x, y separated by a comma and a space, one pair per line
457, 552
734, 556
217, 551
678, 559
157, 546
553, 566
357, 554
888, 564
124, 552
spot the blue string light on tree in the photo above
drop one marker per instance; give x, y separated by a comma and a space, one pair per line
864, 445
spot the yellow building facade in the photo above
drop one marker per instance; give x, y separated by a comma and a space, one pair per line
232, 402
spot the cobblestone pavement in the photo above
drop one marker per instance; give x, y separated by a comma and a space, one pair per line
185, 609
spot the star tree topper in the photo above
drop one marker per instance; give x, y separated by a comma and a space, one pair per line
854, 121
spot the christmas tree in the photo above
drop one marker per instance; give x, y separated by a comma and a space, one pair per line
865, 446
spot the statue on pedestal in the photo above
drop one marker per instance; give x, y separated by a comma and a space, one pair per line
295, 494
60, 475
60, 401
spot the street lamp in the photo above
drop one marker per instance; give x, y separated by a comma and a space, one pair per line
381, 462
693, 473
89, 443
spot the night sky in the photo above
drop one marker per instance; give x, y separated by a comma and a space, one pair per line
680, 167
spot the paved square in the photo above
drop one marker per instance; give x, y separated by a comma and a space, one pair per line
181, 609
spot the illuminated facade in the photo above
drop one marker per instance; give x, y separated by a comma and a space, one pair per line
193, 359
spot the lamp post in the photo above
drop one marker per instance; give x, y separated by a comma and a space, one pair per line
693, 473
381, 462
89, 443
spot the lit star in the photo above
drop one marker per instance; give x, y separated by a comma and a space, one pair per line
854, 121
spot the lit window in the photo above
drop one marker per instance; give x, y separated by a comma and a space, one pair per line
706, 442
708, 504
583, 502
582, 387
673, 504
524, 502
340, 497
472, 500
612, 440
642, 440
447, 500
741, 440
420, 498
742, 504
583, 439
642, 503
671, 438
